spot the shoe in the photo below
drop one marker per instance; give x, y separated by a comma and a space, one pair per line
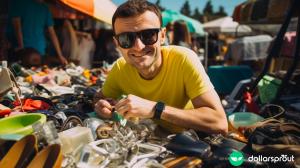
21, 153
49, 157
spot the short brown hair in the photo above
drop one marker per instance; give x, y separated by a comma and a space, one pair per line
181, 33
134, 8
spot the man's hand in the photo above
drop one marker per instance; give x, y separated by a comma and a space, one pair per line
134, 106
56, 45
63, 60
104, 107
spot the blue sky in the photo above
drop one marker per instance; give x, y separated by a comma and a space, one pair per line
177, 4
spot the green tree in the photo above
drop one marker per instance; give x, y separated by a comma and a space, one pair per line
197, 15
157, 3
186, 9
208, 9
221, 12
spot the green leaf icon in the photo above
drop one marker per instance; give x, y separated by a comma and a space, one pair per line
236, 158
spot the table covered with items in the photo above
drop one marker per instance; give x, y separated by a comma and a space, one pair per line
48, 118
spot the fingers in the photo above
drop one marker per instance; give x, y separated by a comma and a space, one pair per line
122, 106
111, 101
127, 115
103, 108
123, 109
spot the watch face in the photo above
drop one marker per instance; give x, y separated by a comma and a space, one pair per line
159, 108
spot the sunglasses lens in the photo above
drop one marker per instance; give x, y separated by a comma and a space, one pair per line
149, 37
126, 40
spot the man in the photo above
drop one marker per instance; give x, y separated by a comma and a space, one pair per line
158, 81
30, 18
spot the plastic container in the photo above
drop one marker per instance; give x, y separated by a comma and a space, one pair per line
242, 119
74, 139
20, 124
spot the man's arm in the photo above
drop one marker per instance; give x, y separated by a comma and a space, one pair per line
56, 45
208, 115
18, 31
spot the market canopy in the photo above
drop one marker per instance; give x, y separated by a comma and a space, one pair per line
100, 9
225, 25
194, 26
249, 48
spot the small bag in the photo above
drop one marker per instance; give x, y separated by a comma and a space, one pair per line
220, 141
267, 88
6, 81
185, 145
273, 137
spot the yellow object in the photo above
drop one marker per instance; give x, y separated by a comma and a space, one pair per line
100, 9
20, 153
51, 156
28, 79
181, 79
87, 74
42, 74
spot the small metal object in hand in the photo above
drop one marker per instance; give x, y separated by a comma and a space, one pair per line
118, 118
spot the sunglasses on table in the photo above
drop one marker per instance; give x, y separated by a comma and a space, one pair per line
127, 39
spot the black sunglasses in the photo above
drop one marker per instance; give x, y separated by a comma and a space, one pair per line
148, 37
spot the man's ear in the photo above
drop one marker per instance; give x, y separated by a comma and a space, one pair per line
163, 35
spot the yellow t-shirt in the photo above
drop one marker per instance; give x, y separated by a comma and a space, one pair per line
181, 78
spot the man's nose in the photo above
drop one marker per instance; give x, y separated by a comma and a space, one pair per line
138, 44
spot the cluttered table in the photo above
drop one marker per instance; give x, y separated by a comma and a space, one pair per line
50, 112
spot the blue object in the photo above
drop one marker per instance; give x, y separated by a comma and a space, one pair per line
35, 18
224, 78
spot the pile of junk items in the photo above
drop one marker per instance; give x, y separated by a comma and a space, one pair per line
48, 120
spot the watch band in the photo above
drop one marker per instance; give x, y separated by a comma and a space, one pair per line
158, 109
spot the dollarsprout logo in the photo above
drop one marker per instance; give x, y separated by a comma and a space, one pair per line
236, 158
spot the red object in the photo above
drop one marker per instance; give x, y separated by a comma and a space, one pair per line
237, 12
94, 79
289, 43
250, 104
5, 112
31, 105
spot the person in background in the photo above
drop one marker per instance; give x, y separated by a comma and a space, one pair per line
29, 57
153, 77
69, 41
169, 33
106, 49
29, 20
182, 36
213, 46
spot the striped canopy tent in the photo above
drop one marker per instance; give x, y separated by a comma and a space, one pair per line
100, 9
